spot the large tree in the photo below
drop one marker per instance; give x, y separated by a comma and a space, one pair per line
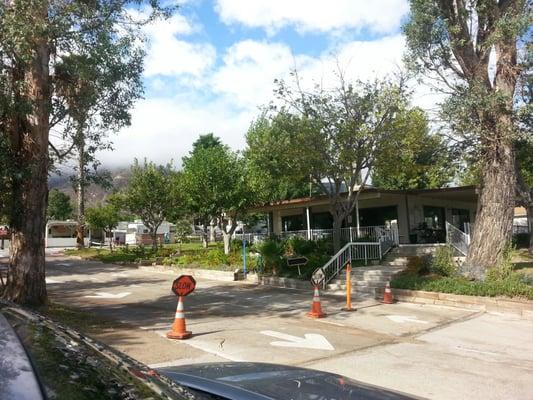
152, 194
337, 135
35, 37
105, 217
414, 158
471, 49
215, 185
59, 205
271, 166
96, 90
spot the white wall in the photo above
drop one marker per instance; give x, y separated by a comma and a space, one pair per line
63, 242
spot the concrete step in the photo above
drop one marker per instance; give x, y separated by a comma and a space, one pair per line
355, 291
407, 250
362, 281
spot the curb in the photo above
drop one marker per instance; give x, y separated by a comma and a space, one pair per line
523, 308
287, 283
225, 276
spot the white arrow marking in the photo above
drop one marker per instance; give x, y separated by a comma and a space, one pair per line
309, 341
406, 318
104, 295
50, 280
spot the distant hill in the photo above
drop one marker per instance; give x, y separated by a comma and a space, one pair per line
95, 193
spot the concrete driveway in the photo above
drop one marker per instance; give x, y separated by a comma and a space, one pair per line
430, 351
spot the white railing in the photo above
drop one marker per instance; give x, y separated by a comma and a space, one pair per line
250, 237
457, 238
350, 234
355, 251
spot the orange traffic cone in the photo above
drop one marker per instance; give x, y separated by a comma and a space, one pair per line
387, 297
316, 308
178, 327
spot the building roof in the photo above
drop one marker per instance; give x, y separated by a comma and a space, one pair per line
459, 193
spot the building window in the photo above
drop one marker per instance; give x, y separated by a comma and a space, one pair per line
376, 216
460, 217
322, 220
434, 217
292, 223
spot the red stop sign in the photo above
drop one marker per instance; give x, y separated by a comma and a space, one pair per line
184, 285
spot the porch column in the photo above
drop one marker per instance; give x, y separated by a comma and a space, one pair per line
308, 215
357, 217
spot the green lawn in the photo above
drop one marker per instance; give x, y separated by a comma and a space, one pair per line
186, 255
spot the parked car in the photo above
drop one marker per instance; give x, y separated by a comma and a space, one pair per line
242, 380
40, 359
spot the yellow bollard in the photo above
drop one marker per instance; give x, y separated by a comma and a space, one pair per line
348, 289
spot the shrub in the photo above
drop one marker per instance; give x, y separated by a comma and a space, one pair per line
418, 265
324, 246
511, 287
216, 257
443, 263
272, 251
504, 269
299, 246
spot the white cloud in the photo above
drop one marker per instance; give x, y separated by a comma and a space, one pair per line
164, 129
248, 71
380, 16
168, 55
250, 67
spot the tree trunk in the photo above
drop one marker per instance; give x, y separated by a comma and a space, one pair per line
153, 235
529, 210
29, 139
110, 240
494, 221
337, 224
227, 242
80, 189
205, 241
212, 237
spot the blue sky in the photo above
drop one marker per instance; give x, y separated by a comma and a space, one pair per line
212, 65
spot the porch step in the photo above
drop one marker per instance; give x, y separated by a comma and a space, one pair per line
364, 279
410, 250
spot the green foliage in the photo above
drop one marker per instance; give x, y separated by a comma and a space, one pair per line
413, 158
206, 141
525, 158
183, 228
105, 217
299, 247
334, 135
217, 257
271, 164
443, 263
6, 171
215, 186
504, 270
59, 205
513, 286
418, 265
272, 252
152, 194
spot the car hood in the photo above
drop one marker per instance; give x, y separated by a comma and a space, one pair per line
244, 380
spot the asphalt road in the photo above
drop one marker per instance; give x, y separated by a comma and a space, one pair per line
430, 351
